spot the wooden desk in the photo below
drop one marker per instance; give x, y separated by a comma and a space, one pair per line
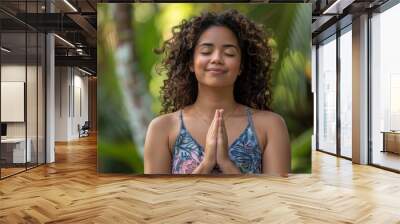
391, 141
16, 147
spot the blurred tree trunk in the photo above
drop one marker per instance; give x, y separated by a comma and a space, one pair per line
137, 100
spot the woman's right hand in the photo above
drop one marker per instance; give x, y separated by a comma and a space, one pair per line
210, 150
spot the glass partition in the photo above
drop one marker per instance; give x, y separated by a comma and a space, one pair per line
31, 100
22, 77
41, 85
13, 108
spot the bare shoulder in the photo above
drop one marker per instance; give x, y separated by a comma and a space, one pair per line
268, 125
164, 122
165, 127
268, 119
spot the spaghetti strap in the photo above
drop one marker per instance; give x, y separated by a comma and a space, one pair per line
181, 119
250, 120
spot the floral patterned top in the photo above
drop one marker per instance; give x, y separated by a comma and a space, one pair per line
244, 151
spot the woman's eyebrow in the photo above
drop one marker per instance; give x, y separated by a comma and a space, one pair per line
206, 44
225, 45
230, 45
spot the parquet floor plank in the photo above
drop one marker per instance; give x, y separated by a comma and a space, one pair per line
71, 191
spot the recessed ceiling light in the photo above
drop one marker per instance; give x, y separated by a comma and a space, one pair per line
64, 40
337, 7
5, 50
70, 5
84, 71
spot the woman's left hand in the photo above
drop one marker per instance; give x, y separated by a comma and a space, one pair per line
224, 162
222, 141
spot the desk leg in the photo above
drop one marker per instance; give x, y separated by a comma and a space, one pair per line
384, 142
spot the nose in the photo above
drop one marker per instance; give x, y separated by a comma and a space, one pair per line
217, 58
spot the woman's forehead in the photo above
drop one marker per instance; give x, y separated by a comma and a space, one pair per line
218, 35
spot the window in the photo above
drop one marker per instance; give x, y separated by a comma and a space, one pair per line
385, 88
327, 96
346, 92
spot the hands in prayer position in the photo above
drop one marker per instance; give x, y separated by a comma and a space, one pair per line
216, 148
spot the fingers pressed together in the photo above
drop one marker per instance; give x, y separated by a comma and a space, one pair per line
218, 124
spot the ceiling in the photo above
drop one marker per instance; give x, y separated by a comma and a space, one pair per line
76, 20
331, 15
76, 25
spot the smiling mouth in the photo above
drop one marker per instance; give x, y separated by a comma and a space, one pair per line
216, 71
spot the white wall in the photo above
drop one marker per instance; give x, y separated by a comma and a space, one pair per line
12, 101
16, 73
10, 73
71, 94
13, 72
61, 103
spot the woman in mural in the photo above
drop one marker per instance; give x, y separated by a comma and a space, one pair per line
216, 115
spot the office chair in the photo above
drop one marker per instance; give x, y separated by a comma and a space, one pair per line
84, 130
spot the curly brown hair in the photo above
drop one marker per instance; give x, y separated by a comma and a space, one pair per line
251, 88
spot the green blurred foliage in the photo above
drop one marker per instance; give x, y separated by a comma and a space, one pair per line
288, 26
116, 150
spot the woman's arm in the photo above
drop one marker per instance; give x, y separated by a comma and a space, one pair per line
157, 156
277, 153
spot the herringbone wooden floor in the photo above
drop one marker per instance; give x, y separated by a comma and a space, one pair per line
70, 191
